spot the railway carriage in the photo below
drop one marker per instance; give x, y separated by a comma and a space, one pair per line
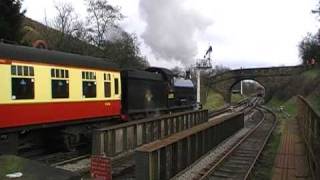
53, 99
42, 88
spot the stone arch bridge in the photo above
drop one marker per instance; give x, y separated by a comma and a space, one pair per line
271, 78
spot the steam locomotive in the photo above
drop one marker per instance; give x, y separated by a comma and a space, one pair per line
51, 96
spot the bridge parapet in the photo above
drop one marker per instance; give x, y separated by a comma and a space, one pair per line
269, 71
164, 158
122, 139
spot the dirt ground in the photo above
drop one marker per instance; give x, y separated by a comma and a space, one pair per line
291, 162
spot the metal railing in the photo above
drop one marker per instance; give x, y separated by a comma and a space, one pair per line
126, 137
309, 125
165, 158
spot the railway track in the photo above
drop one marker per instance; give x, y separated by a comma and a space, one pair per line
242, 103
54, 159
238, 161
71, 160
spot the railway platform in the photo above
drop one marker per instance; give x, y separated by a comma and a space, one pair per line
291, 160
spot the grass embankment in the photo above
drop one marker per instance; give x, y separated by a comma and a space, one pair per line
235, 98
214, 101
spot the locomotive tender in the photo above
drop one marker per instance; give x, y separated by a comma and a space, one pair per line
48, 95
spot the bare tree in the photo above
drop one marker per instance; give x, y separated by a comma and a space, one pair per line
66, 18
99, 36
102, 17
68, 27
80, 30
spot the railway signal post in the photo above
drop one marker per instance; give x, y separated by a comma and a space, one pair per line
202, 65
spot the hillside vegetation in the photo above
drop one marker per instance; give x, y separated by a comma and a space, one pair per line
214, 101
307, 84
124, 51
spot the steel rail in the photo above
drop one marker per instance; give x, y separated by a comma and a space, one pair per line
229, 151
234, 148
68, 161
264, 143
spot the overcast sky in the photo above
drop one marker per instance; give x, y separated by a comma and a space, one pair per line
246, 33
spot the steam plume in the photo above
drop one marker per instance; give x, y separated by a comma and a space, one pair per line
171, 29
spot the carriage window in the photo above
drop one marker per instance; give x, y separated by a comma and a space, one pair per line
62, 73
107, 89
107, 77
13, 70
22, 82
59, 83
88, 75
89, 89
25, 70
60, 88
22, 88
22, 70
116, 86
107, 85
52, 73
31, 71
57, 73
19, 70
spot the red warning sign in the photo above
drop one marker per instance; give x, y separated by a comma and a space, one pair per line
101, 168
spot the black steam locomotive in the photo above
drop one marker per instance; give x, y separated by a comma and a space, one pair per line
155, 91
